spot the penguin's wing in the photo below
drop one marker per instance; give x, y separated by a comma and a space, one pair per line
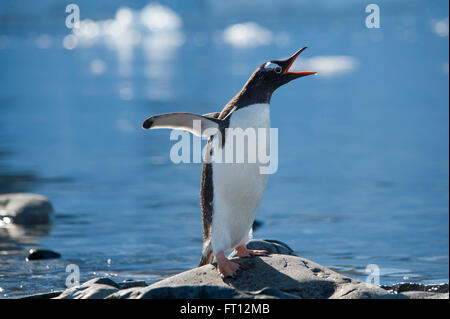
194, 123
214, 115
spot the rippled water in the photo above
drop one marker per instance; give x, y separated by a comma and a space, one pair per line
363, 147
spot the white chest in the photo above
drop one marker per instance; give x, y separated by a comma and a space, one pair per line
254, 116
239, 186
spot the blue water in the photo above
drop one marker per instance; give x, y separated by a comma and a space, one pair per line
363, 173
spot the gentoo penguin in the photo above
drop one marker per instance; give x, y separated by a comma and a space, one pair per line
232, 192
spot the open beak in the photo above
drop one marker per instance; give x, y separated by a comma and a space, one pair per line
286, 64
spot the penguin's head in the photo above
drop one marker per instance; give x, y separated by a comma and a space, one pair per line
271, 75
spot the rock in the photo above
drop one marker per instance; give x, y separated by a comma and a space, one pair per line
279, 275
25, 209
185, 292
132, 283
199, 292
47, 295
411, 286
271, 246
283, 271
413, 290
271, 293
97, 288
42, 254
361, 290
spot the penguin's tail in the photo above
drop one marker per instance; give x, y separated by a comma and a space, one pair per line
207, 254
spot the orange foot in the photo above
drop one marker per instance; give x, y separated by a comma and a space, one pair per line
242, 251
226, 267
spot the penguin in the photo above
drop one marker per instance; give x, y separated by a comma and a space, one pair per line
231, 193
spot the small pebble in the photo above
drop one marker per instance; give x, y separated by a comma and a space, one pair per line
39, 254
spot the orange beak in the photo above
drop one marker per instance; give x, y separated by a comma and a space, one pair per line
291, 61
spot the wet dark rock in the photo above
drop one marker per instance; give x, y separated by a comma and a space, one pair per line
411, 286
42, 254
269, 245
256, 224
25, 209
47, 295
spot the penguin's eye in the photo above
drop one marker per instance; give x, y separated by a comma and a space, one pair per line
278, 69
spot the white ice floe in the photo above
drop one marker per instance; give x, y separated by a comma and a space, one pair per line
245, 35
87, 29
157, 18
440, 27
327, 66
154, 24
124, 16
70, 42
156, 29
